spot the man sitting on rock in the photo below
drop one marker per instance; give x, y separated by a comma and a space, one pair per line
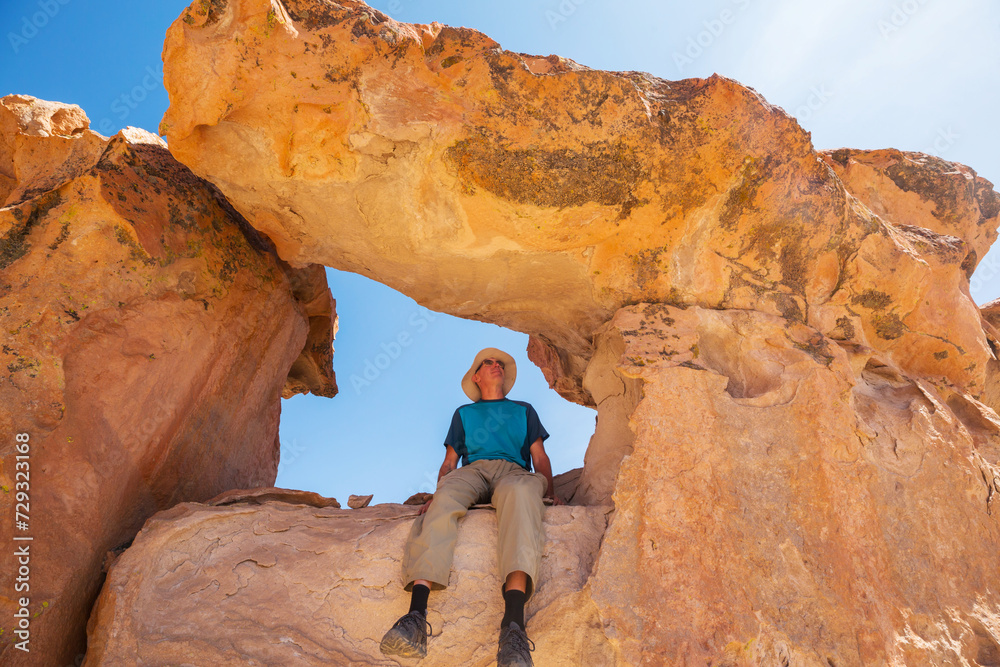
497, 439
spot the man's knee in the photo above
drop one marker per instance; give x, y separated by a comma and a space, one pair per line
519, 488
454, 494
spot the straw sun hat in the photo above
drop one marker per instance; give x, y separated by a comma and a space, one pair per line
509, 372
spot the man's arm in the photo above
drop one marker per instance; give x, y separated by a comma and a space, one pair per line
541, 462
450, 463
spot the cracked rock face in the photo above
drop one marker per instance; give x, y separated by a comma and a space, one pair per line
288, 583
542, 195
791, 500
148, 333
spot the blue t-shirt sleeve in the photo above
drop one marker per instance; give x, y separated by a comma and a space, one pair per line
535, 428
456, 434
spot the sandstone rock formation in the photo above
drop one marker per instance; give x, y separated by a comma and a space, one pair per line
285, 584
148, 333
793, 500
789, 370
541, 195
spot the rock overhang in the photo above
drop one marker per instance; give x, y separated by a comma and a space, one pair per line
542, 195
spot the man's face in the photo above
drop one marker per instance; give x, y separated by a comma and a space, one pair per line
490, 370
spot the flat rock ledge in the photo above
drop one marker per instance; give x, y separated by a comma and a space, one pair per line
291, 584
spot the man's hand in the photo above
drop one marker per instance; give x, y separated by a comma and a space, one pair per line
556, 500
425, 507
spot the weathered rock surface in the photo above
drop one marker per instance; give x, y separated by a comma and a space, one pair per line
795, 420
283, 584
261, 495
541, 195
148, 332
785, 500
917, 189
991, 324
791, 500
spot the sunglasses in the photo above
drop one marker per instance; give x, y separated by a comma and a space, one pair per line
490, 362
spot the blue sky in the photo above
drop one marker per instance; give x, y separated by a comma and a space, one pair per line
914, 74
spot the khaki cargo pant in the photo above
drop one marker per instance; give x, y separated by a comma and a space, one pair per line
513, 491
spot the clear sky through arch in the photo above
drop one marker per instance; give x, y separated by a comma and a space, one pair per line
910, 74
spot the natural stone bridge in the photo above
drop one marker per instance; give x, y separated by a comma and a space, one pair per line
797, 445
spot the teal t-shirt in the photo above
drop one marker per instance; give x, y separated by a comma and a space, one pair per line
497, 429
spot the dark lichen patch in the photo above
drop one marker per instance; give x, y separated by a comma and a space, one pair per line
794, 264
212, 10
628, 205
659, 311
338, 75
502, 66
646, 264
789, 307
911, 177
942, 355
691, 365
988, 200
28, 364
818, 348
601, 173
949, 249
841, 156
888, 327
844, 329
364, 26
753, 174
929, 180
779, 243
185, 221
316, 14
136, 251
872, 299
451, 60
14, 244
969, 263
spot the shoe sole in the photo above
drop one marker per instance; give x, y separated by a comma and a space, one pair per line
396, 645
515, 663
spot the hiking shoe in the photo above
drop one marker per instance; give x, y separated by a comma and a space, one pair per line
515, 648
407, 638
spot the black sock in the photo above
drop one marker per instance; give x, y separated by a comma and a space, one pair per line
513, 608
419, 600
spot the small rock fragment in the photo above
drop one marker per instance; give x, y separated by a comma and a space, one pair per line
357, 502
418, 499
